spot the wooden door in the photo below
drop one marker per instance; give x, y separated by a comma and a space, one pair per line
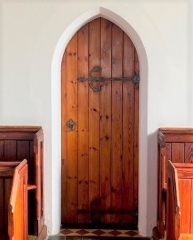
100, 101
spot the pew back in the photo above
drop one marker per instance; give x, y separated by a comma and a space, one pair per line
175, 144
179, 201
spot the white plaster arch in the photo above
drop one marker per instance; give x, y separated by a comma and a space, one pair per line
56, 112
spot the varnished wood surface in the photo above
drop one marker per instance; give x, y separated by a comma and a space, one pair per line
136, 136
128, 123
117, 118
179, 201
13, 219
18, 132
173, 211
17, 143
18, 211
100, 156
177, 134
19, 128
38, 183
105, 120
83, 120
186, 237
174, 144
93, 128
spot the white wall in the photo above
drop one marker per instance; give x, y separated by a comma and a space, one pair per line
31, 34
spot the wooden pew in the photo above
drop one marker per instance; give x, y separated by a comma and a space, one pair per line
17, 209
17, 143
174, 144
179, 211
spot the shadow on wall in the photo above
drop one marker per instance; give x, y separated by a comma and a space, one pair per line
152, 176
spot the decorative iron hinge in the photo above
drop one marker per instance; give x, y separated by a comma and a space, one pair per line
92, 79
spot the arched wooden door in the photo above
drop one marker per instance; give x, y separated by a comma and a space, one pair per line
100, 111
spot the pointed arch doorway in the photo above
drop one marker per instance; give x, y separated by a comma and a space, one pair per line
100, 115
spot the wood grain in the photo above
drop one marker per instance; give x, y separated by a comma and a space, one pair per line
93, 109
2, 209
10, 149
105, 120
64, 119
128, 127
71, 142
102, 151
188, 152
17, 143
117, 119
136, 135
178, 152
83, 131
185, 196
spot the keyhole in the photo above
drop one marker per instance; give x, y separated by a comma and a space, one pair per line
70, 125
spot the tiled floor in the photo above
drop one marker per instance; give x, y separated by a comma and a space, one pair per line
93, 238
96, 234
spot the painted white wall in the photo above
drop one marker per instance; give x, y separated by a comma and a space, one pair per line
33, 35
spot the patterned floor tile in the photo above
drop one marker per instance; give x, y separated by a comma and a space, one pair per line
99, 233
94, 238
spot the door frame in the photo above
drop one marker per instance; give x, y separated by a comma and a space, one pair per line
56, 110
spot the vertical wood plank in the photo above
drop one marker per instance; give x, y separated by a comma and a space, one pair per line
72, 135
7, 192
94, 60
82, 70
10, 149
105, 119
71, 141
2, 220
168, 151
64, 119
1, 150
19, 213
177, 152
136, 139
185, 191
128, 127
170, 229
23, 150
168, 157
117, 135
30, 163
2, 223
188, 153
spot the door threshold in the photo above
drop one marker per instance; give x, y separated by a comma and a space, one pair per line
99, 226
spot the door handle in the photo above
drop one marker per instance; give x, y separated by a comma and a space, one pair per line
70, 125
